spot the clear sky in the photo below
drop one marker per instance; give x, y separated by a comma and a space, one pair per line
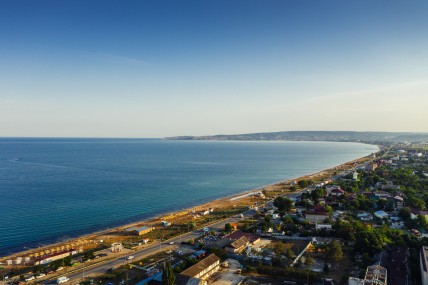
164, 68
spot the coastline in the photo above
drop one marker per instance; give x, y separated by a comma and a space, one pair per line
172, 216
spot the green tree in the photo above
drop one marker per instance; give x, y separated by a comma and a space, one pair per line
369, 240
303, 183
309, 260
288, 220
168, 277
422, 222
416, 203
283, 204
279, 248
191, 225
404, 213
228, 228
333, 252
344, 229
326, 268
317, 194
289, 254
88, 255
37, 269
67, 261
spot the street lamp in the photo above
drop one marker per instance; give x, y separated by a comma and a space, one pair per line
83, 269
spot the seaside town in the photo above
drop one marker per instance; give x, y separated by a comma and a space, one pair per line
213, 142
364, 222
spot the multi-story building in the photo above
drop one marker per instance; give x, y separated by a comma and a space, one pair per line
204, 268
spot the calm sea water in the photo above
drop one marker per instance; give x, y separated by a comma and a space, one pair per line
53, 189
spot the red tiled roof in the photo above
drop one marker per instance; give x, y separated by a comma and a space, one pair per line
317, 213
238, 234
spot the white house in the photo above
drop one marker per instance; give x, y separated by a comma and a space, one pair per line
327, 227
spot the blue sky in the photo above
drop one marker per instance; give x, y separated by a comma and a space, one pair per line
164, 68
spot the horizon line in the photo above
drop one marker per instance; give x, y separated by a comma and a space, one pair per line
236, 134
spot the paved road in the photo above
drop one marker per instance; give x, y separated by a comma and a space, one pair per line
102, 267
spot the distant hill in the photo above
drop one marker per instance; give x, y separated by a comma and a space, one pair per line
340, 136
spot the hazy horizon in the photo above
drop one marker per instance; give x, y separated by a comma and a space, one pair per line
202, 135
157, 69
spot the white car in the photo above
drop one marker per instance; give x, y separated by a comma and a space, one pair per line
130, 257
62, 279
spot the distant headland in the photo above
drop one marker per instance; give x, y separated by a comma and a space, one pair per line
338, 136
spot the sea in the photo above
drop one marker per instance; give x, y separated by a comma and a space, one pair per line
54, 189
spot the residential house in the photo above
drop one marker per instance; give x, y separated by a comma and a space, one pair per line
316, 217
364, 216
199, 254
234, 226
238, 245
381, 214
387, 186
221, 243
337, 192
252, 238
383, 194
371, 166
398, 202
355, 176
326, 227
318, 208
415, 212
330, 188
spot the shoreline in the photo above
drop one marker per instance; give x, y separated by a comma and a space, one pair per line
170, 215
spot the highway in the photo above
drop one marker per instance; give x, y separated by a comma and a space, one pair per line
100, 268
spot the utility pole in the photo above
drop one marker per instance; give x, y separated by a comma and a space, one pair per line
83, 270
